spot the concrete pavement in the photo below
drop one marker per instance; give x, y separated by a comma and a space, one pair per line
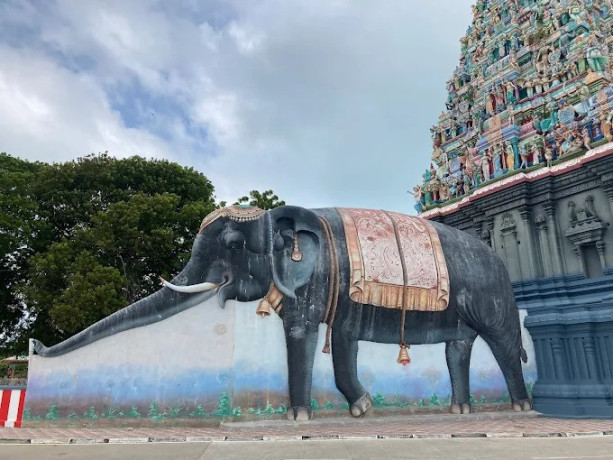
557, 448
448, 426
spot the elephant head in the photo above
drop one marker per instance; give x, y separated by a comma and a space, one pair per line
243, 250
237, 254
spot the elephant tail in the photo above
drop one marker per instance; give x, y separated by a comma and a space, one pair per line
523, 354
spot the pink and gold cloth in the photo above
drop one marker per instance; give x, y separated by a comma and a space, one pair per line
376, 269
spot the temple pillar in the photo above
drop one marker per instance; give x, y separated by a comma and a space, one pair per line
600, 248
508, 240
554, 246
577, 251
485, 234
488, 229
525, 214
543, 237
590, 355
557, 350
607, 183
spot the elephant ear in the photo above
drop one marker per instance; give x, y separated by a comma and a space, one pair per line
285, 224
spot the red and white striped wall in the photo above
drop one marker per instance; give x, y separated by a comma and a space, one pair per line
11, 406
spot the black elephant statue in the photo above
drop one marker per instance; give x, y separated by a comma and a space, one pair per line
368, 275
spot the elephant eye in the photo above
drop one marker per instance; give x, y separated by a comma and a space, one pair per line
232, 239
235, 245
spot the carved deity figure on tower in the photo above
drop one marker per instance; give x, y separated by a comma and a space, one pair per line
510, 155
548, 155
497, 160
535, 152
542, 60
500, 102
523, 155
485, 164
419, 199
435, 184
596, 58
511, 92
605, 125
466, 182
490, 103
469, 168
587, 138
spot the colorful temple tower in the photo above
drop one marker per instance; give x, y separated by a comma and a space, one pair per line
532, 89
523, 159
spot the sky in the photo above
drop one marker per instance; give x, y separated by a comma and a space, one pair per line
327, 102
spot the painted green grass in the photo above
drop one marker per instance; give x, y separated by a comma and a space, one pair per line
225, 408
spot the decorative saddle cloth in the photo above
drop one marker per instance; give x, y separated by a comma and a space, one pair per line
377, 278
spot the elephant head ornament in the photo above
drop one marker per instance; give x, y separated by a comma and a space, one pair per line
308, 265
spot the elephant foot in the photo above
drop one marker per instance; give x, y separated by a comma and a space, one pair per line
359, 407
299, 414
521, 405
461, 408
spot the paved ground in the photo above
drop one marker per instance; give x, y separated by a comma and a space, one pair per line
483, 425
596, 448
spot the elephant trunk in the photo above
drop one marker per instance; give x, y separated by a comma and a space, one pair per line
156, 307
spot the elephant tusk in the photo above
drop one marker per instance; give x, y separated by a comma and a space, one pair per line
202, 287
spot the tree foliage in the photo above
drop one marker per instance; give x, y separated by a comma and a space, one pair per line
82, 239
19, 227
263, 200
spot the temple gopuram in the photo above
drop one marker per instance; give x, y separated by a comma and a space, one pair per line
522, 158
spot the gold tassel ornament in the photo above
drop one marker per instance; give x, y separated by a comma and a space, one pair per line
403, 356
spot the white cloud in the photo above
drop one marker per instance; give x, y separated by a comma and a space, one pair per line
218, 114
52, 114
328, 103
247, 42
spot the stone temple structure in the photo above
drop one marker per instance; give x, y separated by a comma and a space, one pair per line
523, 159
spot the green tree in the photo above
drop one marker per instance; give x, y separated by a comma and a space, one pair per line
263, 200
19, 227
87, 237
71, 193
110, 264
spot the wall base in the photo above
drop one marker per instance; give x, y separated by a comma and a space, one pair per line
574, 400
570, 319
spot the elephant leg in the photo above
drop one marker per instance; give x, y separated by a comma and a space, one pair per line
457, 353
345, 361
508, 357
301, 345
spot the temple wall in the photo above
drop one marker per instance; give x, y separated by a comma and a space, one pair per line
526, 245
208, 362
552, 230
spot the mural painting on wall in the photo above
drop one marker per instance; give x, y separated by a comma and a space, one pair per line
370, 276
533, 88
